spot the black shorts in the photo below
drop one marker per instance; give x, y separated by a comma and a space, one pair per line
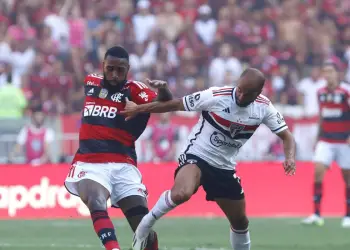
217, 183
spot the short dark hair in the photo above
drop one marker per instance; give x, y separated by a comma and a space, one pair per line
117, 51
37, 108
254, 75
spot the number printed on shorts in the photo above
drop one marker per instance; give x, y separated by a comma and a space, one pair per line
71, 171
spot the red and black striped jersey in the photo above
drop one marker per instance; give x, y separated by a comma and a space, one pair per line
104, 134
335, 113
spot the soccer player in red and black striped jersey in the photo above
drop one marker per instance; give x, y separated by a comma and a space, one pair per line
333, 140
105, 164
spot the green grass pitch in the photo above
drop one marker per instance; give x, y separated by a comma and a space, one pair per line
176, 234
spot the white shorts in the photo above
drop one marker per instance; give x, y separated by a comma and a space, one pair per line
326, 153
120, 179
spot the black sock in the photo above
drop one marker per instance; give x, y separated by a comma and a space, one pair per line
347, 193
317, 197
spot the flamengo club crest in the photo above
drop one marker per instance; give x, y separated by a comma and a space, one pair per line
235, 128
103, 93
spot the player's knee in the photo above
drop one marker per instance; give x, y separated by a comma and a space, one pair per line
181, 195
347, 182
346, 177
240, 222
95, 202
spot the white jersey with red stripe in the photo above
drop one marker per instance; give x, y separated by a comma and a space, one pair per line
224, 127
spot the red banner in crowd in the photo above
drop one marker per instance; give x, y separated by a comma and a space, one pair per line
27, 192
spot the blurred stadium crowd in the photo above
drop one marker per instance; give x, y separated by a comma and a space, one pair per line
48, 46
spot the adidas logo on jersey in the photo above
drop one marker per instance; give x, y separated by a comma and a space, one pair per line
91, 92
226, 110
101, 111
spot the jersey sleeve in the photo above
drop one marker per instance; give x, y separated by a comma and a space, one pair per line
22, 136
200, 101
141, 93
93, 80
274, 120
49, 136
347, 87
91, 84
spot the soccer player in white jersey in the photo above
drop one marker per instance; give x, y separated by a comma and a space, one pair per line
229, 118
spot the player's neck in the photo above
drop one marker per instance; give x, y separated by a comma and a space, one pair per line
332, 86
315, 79
36, 128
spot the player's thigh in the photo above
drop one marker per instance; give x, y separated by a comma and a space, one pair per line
91, 182
93, 194
235, 211
343, 160
126, 182
342, 155
324, 153
346, 176
187, 182
221, 184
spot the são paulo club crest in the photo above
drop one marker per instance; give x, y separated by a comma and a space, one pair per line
235, 128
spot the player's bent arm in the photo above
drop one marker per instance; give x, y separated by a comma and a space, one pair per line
21, 140
16, 150
46, 156
319, 128
276, 123
289, 144
164, 94
161, 107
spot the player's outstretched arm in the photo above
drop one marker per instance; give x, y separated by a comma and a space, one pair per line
132, 109
289, 151
199, 101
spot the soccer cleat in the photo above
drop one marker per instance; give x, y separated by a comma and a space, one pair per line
154, 245
313, 220
345, 222
139, 243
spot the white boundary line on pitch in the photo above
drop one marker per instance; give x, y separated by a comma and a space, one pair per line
9, 245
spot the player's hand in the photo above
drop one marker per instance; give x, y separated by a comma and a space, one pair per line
157, 84
130, 109
289, 166
348, 141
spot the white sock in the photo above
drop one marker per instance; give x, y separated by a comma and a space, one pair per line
240, 239
162, 207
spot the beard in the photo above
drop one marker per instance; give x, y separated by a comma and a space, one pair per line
242, 105
114, 83
239, 104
